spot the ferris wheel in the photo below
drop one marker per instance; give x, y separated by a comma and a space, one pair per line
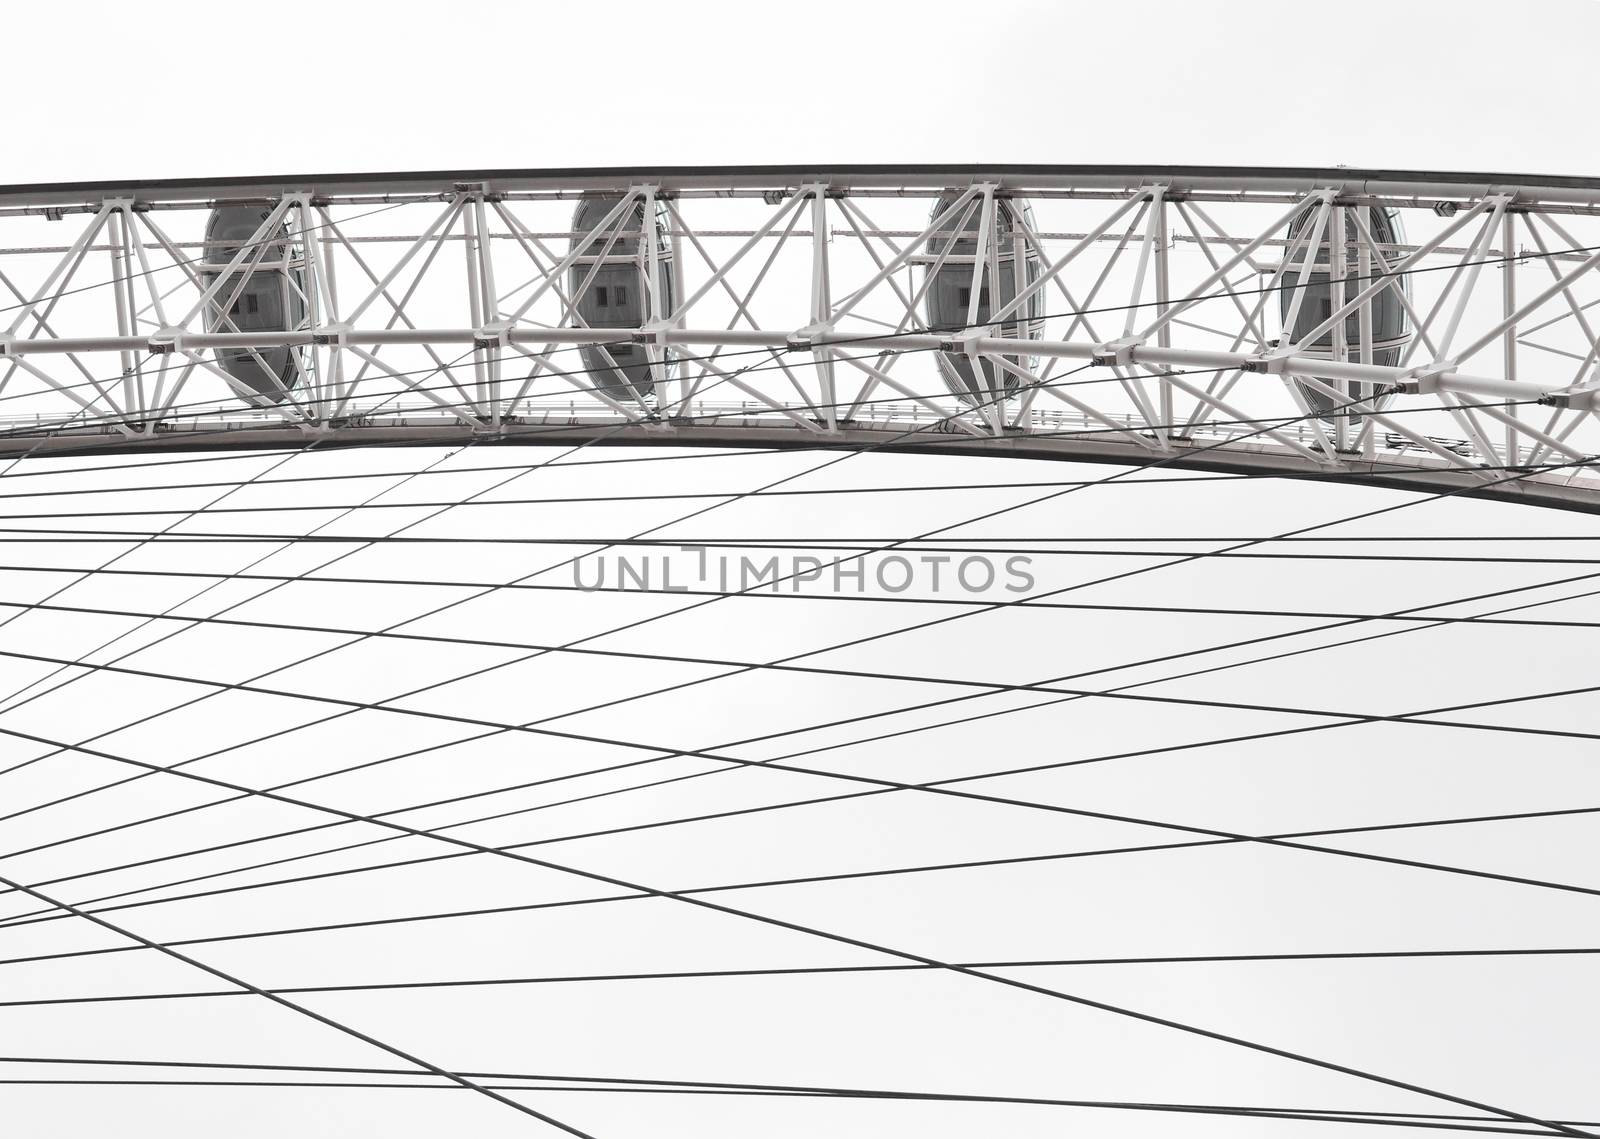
334, 689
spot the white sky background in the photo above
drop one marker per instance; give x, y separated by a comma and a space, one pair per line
155, 91
115, 91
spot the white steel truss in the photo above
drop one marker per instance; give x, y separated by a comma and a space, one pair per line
1142, 315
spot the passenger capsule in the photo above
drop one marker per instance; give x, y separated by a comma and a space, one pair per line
1010, 265
273, 298
1390, 326
616, 295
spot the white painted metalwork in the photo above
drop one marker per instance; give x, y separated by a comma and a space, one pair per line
796, 316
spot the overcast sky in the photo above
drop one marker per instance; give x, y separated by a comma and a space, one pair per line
156, 90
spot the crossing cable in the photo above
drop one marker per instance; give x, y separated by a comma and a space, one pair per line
862, 545
877, 715
991, 687
293, 729
464, 1082
729, 814
295, 1006
140, 544
1344, 617
793, 970
45, 916
193, 596
879, 786
520, 471
624, 1084
764, 919
436, 685
222, 537
745, 1093
763, 545
1185, 559
36, 917
621, 1086
628, 885
715, 506
452, 604
787, 971
624, 790
348, 553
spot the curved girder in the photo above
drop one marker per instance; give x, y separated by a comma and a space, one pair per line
435, 306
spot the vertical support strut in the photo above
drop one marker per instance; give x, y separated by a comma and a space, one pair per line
1364, 438
677, 291
649, 262
1159, 423
491, 314
118, 228
1337, 349
821, 302
314, 381
1163, 294
471, 216
1508, 304
323, 297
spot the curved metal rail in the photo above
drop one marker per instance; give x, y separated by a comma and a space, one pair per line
438, 307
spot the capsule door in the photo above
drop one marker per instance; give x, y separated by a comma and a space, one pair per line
609, 281
272, 298
1009, 266
1389, 325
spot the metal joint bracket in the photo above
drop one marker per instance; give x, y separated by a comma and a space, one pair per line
331, 336
1422, 381
1268, 363
1582, 397
8, 345
163, 341
654, 332
1116, 353
967, 343
496, 334
805, 339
